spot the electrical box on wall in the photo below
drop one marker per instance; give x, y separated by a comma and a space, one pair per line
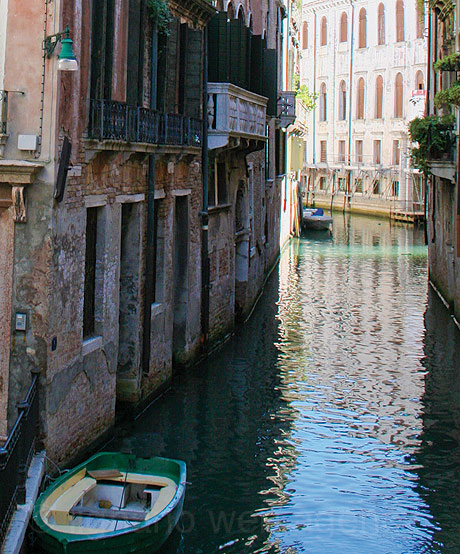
27, 142
21, 322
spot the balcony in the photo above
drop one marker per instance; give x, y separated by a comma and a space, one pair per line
236, 117
118, 123
3, 119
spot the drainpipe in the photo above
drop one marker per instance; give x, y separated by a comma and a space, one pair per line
151, 254
427, 112
350, 106
204, 212
314, 92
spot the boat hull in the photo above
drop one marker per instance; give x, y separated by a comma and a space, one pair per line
317, 221
148, 536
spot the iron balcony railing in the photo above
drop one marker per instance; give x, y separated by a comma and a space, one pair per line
16, 455
3, 111
117, 121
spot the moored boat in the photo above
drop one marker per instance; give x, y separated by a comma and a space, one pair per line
315, 219
113, 502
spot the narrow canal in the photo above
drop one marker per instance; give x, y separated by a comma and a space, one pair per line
331, 422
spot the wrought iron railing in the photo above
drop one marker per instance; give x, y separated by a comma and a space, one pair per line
3, 111
110, 120
16, 455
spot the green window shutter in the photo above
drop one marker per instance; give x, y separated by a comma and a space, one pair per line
134, 45
235, 51
193, 73
257, 64
102, 49
270, 79
218, 48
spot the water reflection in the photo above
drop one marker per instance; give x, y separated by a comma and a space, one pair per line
311, 430
439, 453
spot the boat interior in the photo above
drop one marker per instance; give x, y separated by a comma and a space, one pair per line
101, 501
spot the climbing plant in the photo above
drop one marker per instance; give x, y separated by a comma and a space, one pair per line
159, 11
434, 137
307, 97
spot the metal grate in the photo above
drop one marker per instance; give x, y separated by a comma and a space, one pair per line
16, 455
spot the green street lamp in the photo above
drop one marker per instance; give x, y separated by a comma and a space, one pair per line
66, 60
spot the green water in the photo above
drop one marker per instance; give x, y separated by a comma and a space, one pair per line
331, 422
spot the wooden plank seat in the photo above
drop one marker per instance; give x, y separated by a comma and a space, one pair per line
60, 508
107, 513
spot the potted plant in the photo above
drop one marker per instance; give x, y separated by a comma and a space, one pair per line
435, 140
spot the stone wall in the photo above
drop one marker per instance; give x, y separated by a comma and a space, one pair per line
444, 263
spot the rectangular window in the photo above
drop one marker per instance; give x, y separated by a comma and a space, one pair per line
217, 184
377, 151
221, 183
395, 189
322, 183
376, 186
89, 299
342, 184
358, 185
323, 155
341, 151
396, 152
359, 151
280, 160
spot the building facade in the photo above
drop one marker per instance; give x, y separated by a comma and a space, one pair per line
444, 195
140, 198
369, 74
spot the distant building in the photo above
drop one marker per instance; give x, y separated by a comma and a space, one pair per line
366, 61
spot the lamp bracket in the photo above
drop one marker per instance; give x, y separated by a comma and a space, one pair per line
50, 42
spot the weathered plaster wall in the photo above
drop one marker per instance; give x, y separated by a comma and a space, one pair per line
6, 281
3, 20
31, 291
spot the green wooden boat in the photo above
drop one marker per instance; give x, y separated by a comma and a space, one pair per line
111, 503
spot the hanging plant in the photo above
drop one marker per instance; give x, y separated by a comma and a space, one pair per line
448, 63
435, 138
448, 97
159, 11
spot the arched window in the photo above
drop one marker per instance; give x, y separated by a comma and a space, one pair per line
230, 11
378, 97
304, 35
362, 28
344, 27
419, 84
399, 21
322, 103
323, 41
381, 25
342, 100
360, 100
420, 20
399, 95
241, 13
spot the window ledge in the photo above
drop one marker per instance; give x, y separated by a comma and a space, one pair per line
219, 208
156, 308
91, 344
